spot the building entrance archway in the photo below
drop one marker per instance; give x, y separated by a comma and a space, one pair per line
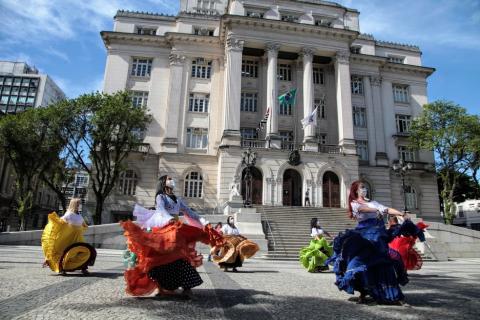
292, 188
331, 190
256, 186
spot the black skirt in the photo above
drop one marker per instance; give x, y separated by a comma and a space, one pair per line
178, 274
235, 264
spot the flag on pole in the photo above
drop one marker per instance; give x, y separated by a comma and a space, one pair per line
310, 119
289, 97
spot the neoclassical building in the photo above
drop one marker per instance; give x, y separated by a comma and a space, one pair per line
209, 76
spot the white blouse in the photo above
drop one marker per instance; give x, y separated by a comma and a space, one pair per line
73, 218
374, 205
316, 232
228, 230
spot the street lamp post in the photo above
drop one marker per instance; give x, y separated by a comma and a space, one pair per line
401, 169
248, 160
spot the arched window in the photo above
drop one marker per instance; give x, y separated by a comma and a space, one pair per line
193, 185
411, 197
128, 183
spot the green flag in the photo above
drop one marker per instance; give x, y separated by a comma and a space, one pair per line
289, 97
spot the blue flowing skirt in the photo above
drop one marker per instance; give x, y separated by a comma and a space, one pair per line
363, 262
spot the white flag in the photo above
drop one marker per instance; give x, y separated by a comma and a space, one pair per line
311, 119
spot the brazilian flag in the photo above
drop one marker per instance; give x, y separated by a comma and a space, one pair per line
289, 97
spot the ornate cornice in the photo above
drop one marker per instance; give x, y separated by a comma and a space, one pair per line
110, 37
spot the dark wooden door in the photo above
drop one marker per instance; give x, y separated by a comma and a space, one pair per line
331, 190
256, 186
292, 188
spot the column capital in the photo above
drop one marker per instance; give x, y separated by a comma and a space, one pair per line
307, 53
272, 48
234, 44
176, 59
376, 81
342, 57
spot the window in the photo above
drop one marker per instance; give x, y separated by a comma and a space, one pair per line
396, 59
355, 49
128, 183
248, 102
249, 69
403, 123
460, 212
405, 154
362, 149
359, 117
322, 138
202, 31
148, 31
320, 105
318, 76
289, 18
81, 180
323, 22
286, 135
285, 109
205, 6
411, 197
284, 72
400, 93
193, 185
254, 14
141, 67
197, 138
357, 84
201, 68
249, 133
139, 98
198, 102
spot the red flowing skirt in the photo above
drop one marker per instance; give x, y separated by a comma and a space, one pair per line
404, 245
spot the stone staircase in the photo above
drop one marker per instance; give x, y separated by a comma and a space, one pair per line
287, 229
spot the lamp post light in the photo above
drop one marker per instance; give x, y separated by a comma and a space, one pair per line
248, 160
401, 169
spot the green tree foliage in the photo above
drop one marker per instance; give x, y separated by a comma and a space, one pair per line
104, 130
446, 128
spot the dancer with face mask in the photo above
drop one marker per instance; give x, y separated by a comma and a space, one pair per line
236, 248
161, 245
363, 261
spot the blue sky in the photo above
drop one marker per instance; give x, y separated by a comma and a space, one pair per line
61, 38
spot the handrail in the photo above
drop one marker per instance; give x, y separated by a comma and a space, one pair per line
270, 230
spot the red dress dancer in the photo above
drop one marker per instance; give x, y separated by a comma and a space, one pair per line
404, 246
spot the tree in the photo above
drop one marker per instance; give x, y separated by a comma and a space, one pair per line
30, 142
473, 149
445, 128
105, 129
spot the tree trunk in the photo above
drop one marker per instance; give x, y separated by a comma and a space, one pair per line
97, 219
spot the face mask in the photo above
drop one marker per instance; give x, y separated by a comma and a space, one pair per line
363, 192
170, 184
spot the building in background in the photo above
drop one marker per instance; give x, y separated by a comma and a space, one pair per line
468, 214
210, 74
23, 87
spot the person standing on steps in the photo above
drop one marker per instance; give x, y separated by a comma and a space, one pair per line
307, 198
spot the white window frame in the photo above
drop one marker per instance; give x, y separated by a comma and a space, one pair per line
151, 31
139, 98
356, 83
400, 93
319, 103
411, 197
141, 67
249, 68
203, 31
201, 68
318, 76
362, 149
286, 136
193, 185
198, 102
403, 123
359, 116
249, 133
284, 72
197, 138
405, 154
396, 59
249, 102
127, 182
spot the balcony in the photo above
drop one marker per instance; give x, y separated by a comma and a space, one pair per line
417, 165
142, 148
290, 145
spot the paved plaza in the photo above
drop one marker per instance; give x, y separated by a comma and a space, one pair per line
263, 289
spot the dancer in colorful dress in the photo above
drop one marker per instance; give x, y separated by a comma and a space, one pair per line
162, 245
63, 244
314, 256
235, 249
363, 261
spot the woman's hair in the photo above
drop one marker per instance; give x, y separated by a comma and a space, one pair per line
393, 219
228, 221
74, 205
313, 223
219, 225
162, 181
353, 196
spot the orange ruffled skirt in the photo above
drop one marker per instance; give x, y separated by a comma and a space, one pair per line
162, 246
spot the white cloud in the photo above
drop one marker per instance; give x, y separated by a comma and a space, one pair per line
74, 89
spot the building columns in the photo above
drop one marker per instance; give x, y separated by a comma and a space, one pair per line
344, 102
272, 92
371, 143
170, 142
381, 153
309, 139
232, 91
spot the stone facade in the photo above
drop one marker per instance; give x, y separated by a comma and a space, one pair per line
215, 70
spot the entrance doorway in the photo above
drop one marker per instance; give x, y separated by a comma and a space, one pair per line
256, 186
292, 188
331, 190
